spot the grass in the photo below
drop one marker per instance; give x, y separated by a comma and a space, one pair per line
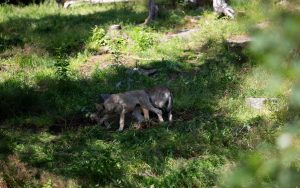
49, 82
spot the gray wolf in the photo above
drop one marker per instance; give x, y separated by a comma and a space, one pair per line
155, 100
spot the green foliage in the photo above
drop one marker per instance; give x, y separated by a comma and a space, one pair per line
142, 38
48, 184
276, 164
62, 69
101, 163
115, 44
98, 38
113, 40
52, 70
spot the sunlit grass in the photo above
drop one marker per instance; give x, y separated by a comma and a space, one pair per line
50, 78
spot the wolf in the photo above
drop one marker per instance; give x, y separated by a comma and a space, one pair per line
155, 100
122, 103
162, 98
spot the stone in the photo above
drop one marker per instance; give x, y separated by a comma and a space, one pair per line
239, 40
258, 103
115, 27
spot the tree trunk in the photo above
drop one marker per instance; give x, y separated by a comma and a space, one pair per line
153, 10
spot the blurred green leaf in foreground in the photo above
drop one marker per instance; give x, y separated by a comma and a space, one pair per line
277, 47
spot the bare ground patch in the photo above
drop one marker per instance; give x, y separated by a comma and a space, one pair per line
97, 61
27, 49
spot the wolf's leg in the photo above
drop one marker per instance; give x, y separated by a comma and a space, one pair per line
169, 107
122, 120
160, 118
170, 116
158, 112
146, 113
149, 106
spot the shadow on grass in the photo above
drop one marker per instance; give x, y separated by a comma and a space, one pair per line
96, 156
62, 35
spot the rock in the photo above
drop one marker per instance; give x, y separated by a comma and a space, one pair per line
239, 40
115, 27
259, 103
115, 31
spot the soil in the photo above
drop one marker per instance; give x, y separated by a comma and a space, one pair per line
97, 61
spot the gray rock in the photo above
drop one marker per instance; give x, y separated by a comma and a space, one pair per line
115, 27
259, 103
239, 40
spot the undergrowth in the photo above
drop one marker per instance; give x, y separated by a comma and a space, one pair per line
55, 62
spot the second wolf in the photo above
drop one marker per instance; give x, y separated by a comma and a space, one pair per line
155, 100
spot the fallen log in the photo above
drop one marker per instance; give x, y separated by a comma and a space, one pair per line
67, 4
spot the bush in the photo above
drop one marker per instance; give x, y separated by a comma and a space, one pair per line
142, 38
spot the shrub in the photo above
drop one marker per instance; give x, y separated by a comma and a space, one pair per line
142, 38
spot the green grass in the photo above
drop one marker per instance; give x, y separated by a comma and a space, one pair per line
46, 139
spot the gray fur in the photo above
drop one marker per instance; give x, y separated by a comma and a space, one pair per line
122, 103
161, 97
153, 99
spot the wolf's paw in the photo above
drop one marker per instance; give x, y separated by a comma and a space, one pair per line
161, 121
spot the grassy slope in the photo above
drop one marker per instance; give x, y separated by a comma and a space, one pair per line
44, 131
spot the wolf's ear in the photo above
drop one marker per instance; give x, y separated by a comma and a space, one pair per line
99, 107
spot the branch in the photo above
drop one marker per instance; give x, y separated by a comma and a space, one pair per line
73, 2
